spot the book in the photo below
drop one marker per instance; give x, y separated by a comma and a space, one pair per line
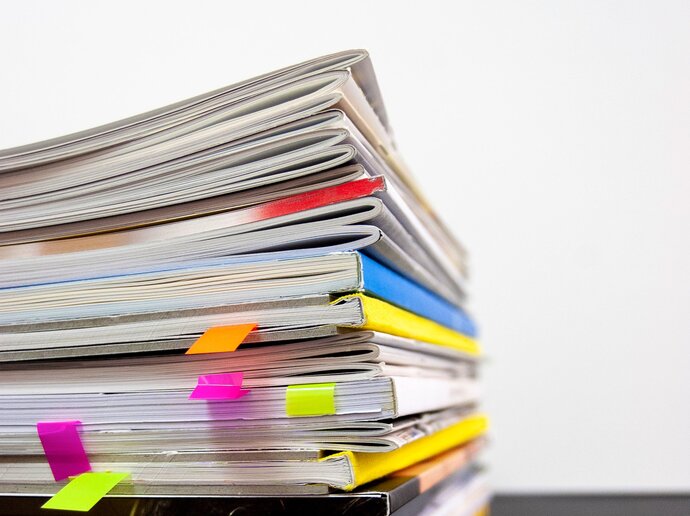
328, 220
343, 470
408, 492
224, 284
180, 328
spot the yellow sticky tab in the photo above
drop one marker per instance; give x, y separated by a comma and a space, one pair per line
84, 491
310, 399
220, 339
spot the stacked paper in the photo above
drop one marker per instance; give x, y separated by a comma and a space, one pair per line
243, 293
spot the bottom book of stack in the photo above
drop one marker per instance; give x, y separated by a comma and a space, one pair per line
448, 483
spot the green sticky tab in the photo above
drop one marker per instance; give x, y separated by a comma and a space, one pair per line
310, 399
84, 491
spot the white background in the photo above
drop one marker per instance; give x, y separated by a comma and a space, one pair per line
553, 137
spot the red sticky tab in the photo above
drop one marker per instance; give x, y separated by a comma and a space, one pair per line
224, 386
63, 448
221, 339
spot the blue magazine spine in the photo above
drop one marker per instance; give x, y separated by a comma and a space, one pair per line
382, 282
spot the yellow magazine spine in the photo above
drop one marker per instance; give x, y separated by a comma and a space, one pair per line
370, 466
386, 318
483, 511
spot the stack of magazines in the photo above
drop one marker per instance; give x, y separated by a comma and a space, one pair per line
242, 294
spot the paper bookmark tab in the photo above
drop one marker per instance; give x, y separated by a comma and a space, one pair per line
224, 386
84, 491
311, 399
221, 339
63, 448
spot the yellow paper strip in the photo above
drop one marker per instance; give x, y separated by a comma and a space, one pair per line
311, 399
84, 491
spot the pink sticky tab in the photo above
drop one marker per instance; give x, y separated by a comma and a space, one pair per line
63, 448
224, 386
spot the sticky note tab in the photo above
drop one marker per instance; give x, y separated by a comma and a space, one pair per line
84, 491
63, 448
311, 399
224, 386
221, 339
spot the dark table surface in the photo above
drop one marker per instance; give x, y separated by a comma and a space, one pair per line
502, 505
594, 505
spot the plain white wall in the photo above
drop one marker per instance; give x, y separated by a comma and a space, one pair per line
554, 137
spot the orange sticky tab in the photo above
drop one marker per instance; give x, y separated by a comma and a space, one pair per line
221, 339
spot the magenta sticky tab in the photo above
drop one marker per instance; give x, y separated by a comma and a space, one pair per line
63, 448
224, 386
